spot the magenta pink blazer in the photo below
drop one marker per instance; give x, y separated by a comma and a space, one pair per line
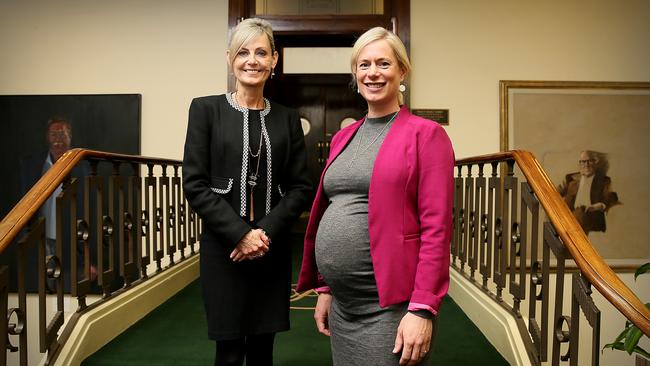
409, 213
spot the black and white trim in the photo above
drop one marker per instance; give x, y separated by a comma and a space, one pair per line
267, 108
269, 171
223, 190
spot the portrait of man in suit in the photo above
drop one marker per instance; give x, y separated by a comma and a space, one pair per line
588, 192
41, 129
58, 137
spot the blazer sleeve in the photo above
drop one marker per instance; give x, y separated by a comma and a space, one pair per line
610, 198
216, 212
435, 203
295, 179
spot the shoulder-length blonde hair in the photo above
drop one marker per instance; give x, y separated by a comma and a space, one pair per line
376, 34
246, 30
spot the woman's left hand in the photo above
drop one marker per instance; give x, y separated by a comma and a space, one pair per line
413, 338
252, 246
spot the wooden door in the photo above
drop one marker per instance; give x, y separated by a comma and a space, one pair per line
322, 99
323, 102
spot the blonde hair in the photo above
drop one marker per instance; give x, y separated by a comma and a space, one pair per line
376, 34
246, 30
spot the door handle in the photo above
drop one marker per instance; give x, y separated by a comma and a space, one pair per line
320, 146
323, 151
326, 150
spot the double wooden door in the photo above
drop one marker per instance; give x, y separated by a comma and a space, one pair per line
325, 104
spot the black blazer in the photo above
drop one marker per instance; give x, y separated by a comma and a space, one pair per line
213, 163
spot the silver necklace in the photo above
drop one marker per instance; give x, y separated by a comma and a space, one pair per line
252, 178
244, 204
258, 150
236, 95
356, 151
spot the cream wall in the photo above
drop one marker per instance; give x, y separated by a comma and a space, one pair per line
166, 50
461, 49
170, 51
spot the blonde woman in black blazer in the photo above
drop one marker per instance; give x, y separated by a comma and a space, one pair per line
245, 174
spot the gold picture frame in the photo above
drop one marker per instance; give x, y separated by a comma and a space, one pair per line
558, 120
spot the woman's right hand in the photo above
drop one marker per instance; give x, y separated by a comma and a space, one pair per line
253, 245
322, 313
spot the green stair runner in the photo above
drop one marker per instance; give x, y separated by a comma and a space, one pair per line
176, 334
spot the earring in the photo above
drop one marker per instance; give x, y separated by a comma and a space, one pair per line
272, 73
402, 88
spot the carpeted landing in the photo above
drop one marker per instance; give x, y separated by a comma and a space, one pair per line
175, 334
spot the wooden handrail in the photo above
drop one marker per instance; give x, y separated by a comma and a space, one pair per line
587, 259
134, 229
29, 205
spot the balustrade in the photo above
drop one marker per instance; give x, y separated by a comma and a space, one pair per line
114, 230
126, 220
515, 247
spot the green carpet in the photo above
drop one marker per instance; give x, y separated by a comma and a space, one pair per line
176, 334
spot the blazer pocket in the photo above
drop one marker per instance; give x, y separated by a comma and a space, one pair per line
221, 185
412, 236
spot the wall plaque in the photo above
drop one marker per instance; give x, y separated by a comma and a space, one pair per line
439, 115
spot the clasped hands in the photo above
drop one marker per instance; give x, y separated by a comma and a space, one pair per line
594, 207
598, 206
252, 246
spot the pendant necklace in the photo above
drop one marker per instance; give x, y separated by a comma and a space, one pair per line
246, 162
356, 151
252, 178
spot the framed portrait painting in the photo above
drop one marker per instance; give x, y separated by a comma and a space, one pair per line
38, 129
105, 122
591, 138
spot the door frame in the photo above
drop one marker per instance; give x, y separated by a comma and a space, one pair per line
396, 17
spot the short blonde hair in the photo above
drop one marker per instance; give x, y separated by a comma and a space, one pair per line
376, 34
246, 30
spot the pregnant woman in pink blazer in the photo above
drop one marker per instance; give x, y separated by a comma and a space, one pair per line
377, 243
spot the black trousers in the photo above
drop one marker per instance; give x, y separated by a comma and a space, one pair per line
256, 349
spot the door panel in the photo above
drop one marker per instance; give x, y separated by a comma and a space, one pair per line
324, 100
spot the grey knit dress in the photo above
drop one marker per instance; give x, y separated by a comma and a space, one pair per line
362, 332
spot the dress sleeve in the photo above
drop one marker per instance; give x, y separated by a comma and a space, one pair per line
216, 213
295, 177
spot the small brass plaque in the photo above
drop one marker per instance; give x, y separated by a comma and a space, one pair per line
439, 115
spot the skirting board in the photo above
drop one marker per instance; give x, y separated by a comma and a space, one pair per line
496, 324
99, 326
